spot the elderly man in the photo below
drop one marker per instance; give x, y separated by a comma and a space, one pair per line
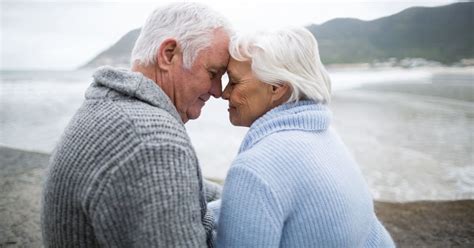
124, 173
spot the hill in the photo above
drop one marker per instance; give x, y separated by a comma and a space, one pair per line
443, 34
117, 54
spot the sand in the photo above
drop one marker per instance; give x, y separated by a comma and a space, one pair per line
417, 224
429, 223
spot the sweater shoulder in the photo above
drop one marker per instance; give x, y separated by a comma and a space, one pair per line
293, 160
146, 123
280, 148
103, 132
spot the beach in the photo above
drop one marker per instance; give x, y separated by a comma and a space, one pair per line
412, 138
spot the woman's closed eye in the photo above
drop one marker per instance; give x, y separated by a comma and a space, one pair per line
232, 81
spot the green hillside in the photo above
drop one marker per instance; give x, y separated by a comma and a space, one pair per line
444, 34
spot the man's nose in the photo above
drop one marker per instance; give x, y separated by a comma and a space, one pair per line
216, 89
226, 93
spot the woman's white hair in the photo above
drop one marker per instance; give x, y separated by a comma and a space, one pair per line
191, 24
285, 56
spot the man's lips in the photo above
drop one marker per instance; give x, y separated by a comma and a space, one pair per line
204, 98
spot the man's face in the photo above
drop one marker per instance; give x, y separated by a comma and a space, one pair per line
194, 86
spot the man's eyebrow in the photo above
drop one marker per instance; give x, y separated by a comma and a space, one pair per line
218, 68
222, 67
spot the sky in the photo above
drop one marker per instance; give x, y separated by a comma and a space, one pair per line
65, 34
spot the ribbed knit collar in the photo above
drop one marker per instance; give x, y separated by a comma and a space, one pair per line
132, 84
303, 115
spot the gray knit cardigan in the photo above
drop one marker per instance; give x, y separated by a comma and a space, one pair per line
124, 173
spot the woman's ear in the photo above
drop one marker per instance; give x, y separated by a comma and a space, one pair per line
280, 93
167, 53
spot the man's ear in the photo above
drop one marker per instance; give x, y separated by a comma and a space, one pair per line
280, 93
166, 54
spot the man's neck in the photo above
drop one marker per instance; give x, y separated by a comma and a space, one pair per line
156, 76
159, 77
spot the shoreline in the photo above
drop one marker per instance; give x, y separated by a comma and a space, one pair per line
367, 66
411, 224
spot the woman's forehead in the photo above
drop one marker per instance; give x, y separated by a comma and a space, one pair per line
238, 67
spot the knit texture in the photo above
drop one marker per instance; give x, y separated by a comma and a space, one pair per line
294, 184
124, 173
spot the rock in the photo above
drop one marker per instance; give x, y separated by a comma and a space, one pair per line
21, 176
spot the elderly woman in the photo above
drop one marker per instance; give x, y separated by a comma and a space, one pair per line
293, 182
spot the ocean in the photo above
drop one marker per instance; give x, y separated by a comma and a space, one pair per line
411, 130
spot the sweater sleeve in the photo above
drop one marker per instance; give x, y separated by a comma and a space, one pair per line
212, 190
149, 200
249, 214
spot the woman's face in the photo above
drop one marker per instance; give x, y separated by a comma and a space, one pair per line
248, 97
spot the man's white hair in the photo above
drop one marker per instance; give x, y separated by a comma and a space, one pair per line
285, 56
191, 24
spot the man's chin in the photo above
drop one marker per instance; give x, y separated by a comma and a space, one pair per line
193, 114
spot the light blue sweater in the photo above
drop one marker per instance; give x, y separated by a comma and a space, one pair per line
294, 184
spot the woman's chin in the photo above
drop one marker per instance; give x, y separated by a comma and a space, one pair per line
234, 121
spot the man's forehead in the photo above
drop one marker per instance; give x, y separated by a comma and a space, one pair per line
217, 56
221, 55
220, 63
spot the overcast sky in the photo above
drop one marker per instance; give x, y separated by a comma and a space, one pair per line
65, 34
